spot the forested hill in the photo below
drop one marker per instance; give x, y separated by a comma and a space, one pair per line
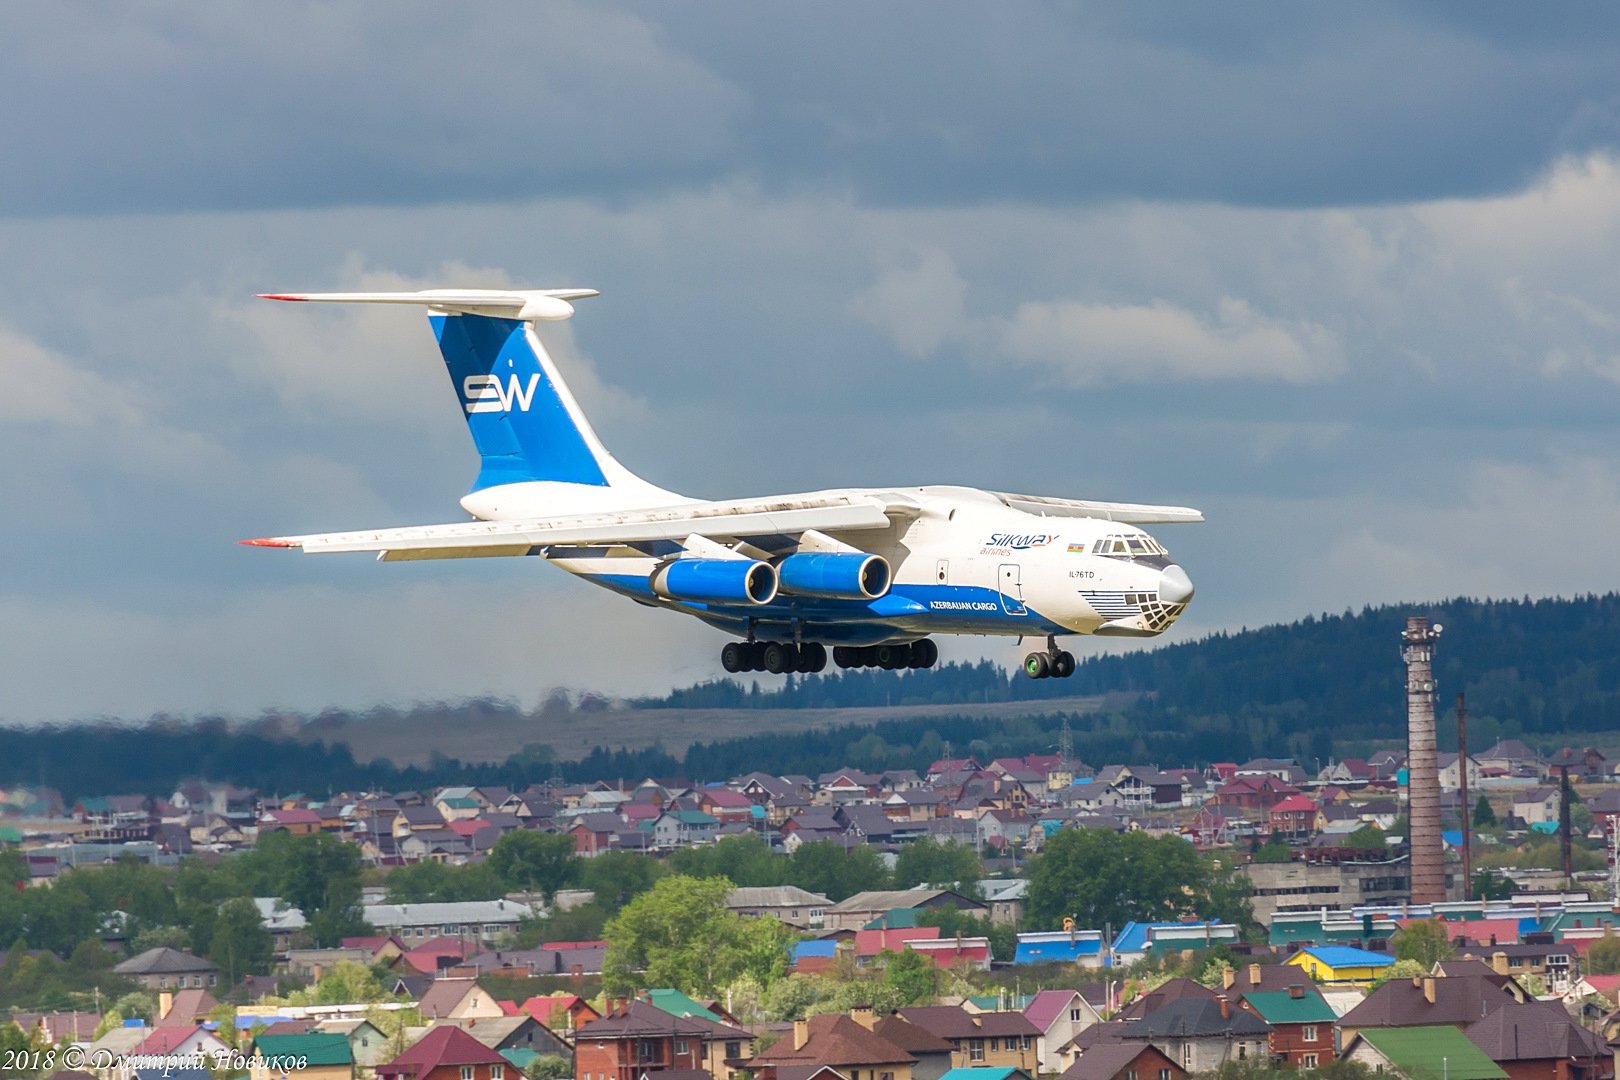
1540, 668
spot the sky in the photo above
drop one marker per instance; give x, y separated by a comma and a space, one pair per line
1344, 278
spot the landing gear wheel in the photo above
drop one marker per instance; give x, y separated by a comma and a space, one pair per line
734, 657
812, 657
891, 657
756, 656
1036, 665
779, 657
924, 653
846, 656
1063, 665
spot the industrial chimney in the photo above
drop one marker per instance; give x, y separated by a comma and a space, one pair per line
1422, 764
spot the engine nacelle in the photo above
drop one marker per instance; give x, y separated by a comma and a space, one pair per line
715, 581
830, 575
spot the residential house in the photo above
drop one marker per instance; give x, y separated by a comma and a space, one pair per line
1005, 1039
1537, 805
1082, 947
318, 1056
788, 904
163, 968
683, 828
1124, 1061
1202, 1034
447, 1053
458, 999
1341, 964
476, 921
1421, 1053
1509, 757
856, 911
1295, 818
517, 1033
559, 1012
639, 1038
1301, 1023
1537, 1040
1451, 774
845, 1043
1005, 899
1253, 793
1427, 1001
1059, 1015
368, 1046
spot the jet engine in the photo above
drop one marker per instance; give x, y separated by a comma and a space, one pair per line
715, 581
850, 575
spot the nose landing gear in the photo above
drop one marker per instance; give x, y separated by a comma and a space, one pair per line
1054, 663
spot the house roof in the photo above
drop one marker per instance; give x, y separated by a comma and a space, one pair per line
444, 995
1192, 1017
638, 1018
1461, 999
164, 961
314, 1048
952, 1022
1347, 956
835, 1039
1282, 1007
444, 1045
1533, 1031
1047, 1005
909, 1037
1107, 1060
188, 1007
1439, 1052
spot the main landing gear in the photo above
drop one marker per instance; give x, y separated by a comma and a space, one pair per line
922, 653
775, 657
1054, 663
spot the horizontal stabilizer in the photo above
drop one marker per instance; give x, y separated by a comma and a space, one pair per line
521, 304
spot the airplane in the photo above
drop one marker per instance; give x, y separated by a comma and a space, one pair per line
871, 573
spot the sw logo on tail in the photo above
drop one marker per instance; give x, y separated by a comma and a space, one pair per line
871, 573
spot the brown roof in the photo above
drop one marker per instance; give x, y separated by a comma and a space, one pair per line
836, 1040
950, 1022
1459, 1000
1108, 1060
638, 1018
1534, 1031
1172, 990
909, 1037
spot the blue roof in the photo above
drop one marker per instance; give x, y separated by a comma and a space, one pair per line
1340, 956
827, 947
1133, 938
1452, 837
1046, 952
1546, 827
982, 1072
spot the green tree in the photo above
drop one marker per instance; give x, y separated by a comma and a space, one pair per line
1603, 958
1368, 837
1428, 941
240, 945
534, 861
836, 871
1101, 877
429, 882
1273, 851
913, 976
680, 934
1484, 816
744, 860
1493, 885
617, 877
938, 864
319, 874
345, 983
1399, 970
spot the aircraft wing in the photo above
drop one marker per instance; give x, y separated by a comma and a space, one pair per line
789, 515
1129, 513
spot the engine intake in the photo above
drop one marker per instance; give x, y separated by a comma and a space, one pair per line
716, 581
834, 575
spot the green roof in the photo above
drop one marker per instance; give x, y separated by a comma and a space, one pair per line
678, 1004
521, 1057
898, 919
1440, 1052
1280, 1007
315, 1048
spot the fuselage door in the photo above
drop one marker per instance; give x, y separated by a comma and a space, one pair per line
1012, 590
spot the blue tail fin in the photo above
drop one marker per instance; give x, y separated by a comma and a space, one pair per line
524, 422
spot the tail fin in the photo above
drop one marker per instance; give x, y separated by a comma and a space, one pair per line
523, 419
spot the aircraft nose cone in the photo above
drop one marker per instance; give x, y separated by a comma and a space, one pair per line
1175, 587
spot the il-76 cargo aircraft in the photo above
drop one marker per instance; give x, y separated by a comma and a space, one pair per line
871, 572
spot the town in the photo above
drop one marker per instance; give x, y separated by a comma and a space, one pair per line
1030, 916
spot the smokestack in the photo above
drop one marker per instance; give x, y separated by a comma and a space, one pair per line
1254, 976
1422, 765
801, 1033
1226, 1008
1228, 978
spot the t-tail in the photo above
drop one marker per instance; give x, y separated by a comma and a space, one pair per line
537, 451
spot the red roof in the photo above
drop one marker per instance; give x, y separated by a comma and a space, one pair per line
1295, 804
872, 942
446, 1045
468, 826
1476, 931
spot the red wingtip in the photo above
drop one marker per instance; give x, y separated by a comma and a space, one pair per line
267, 541
278, 296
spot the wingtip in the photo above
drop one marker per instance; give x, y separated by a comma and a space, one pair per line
280, 296
267, 541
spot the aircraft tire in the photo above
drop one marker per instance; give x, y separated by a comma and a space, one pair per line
734, 657
846, 657
924, 653
1063, 665
756, 656
778, 657
812, 657
1036, 666
893, 657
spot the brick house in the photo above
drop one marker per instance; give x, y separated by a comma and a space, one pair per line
447, 1053
1302, 1024
638, 1038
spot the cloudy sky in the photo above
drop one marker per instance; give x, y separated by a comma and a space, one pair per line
1347, 279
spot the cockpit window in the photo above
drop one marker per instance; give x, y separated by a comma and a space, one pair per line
1134, 546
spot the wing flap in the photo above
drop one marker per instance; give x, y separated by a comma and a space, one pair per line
479, 539
1129, 513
